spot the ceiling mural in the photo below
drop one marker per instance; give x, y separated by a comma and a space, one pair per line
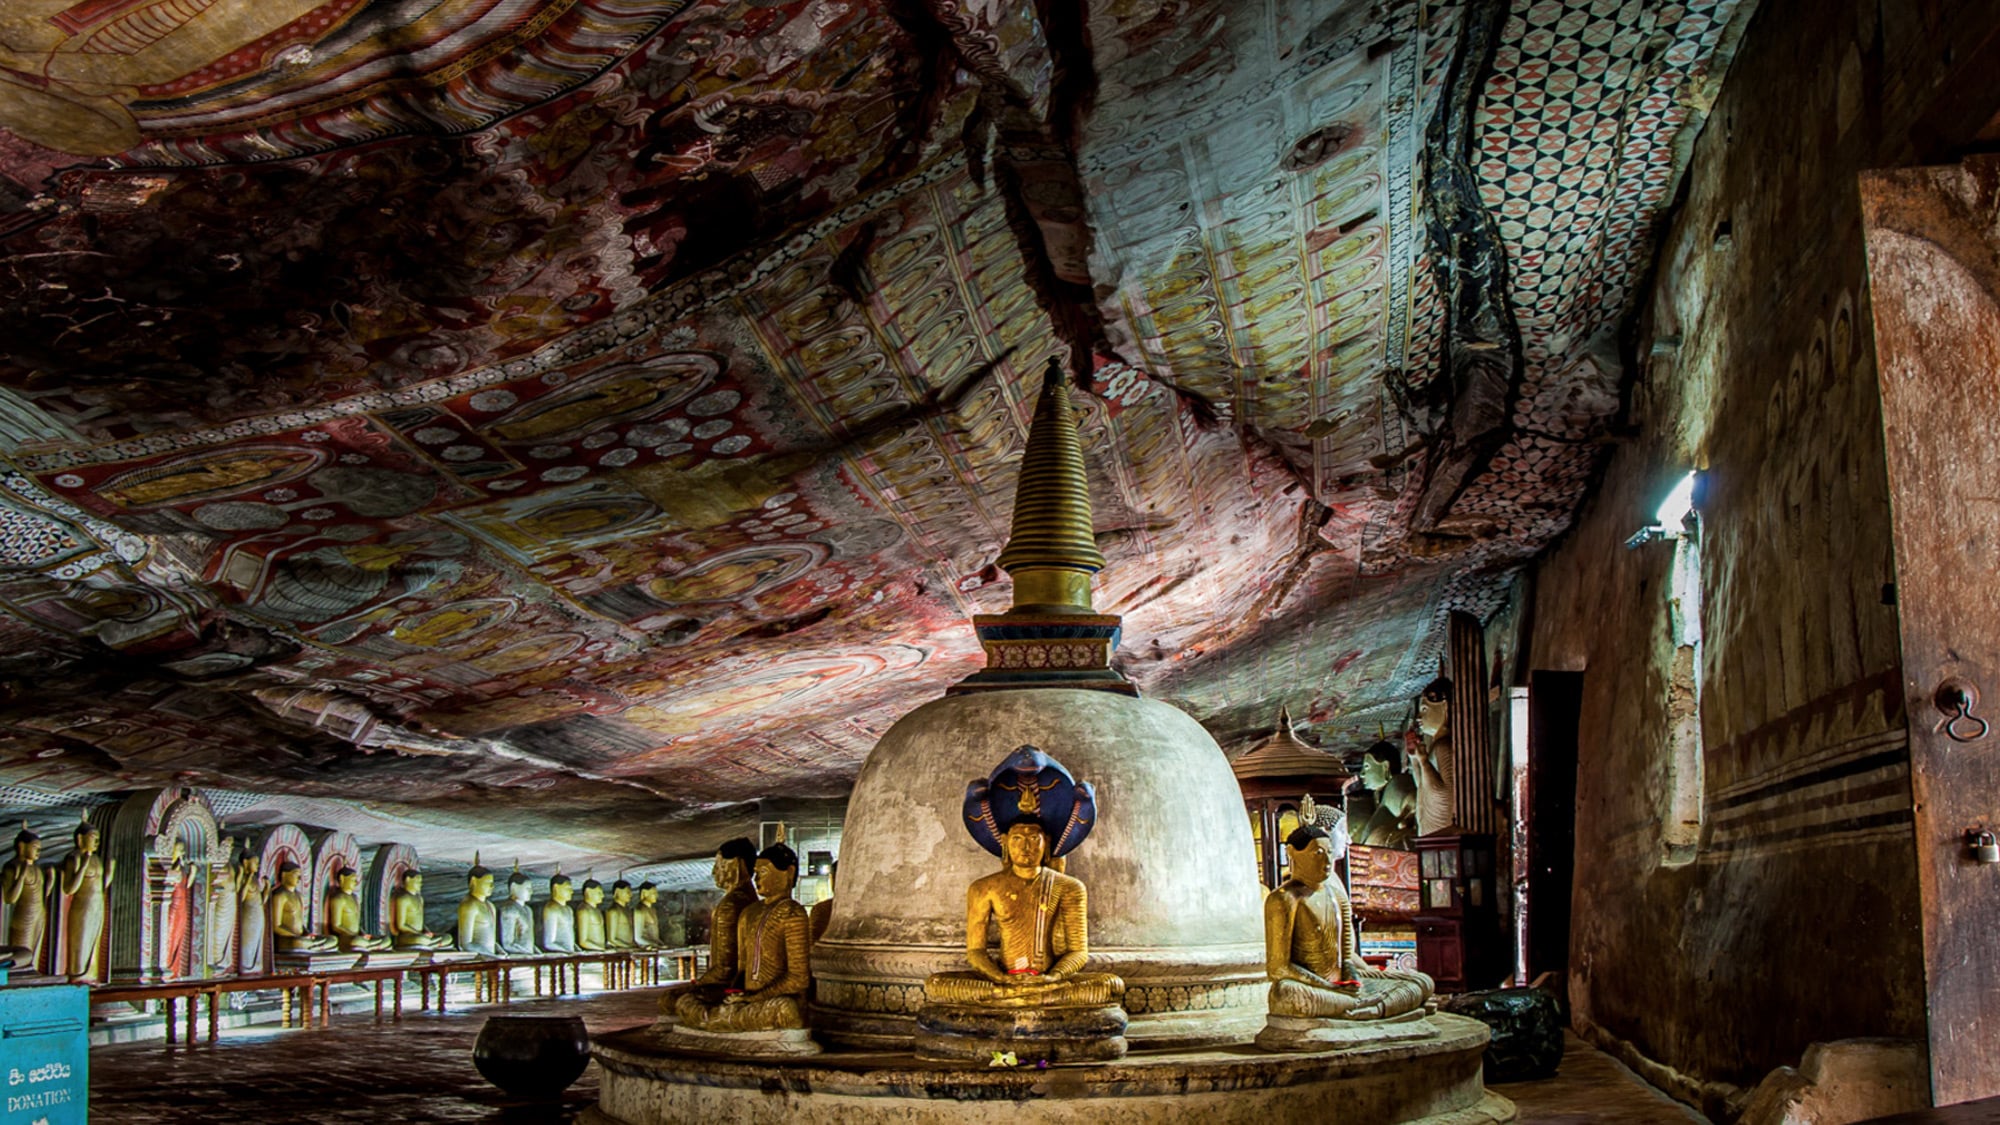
510, 414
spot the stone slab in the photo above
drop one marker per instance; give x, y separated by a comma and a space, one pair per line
789, 1043
1429, 1082
1298, 1033
957, 1032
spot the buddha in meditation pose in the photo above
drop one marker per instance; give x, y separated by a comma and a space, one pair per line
291, 928
618, 918
406, 916
771, 953
732, 874
646, 918
590, 917
517, 921
558, 929
478, 921
84, 876
1311, 954
343, 916
22, 886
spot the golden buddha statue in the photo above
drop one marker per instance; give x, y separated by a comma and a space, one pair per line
731, 872
406, 916
22, 885
291, 926
517, 920
618, 918
222, 902
1431, 763
646, 917
85, 878
343, 916
1034, 995
252, 927
590, 917
478, 921
772, 947
558, 925
1322, 992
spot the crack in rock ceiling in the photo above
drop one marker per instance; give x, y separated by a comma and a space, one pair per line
601, 413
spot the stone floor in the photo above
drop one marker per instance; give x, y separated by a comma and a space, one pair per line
420, 1071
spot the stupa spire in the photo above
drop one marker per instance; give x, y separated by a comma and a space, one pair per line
1051, 551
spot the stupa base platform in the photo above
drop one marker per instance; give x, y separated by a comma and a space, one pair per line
1299, 1033
788, 1043
1433, 1081
960, 1033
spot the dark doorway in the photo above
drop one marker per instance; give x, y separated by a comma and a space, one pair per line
1555, 701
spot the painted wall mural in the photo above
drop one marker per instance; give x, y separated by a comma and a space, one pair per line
604, 403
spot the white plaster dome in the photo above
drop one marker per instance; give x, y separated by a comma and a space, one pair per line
1175, 905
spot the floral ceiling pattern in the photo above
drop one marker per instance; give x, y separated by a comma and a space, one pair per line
583, 417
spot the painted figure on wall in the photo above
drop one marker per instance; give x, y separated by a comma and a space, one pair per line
22, 887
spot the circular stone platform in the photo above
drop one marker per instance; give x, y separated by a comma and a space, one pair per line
1432, 1082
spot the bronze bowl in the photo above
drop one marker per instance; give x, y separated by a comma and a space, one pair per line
532, 1056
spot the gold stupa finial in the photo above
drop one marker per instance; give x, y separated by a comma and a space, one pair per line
1285, 721
1051, 550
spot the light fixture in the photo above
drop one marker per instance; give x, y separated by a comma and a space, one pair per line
1670, 522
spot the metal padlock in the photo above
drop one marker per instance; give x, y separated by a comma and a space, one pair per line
1985, 847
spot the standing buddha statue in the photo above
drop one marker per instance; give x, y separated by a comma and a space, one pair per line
221, 915
646, 917
252, 929
517, 921
558, 927
291, 927
478, 922
84, 877
406, 916
618, 918
343, 916
731, 873
1431, 763
22, 886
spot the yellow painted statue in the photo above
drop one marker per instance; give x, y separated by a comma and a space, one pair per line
85, 877
406, 916
1322, 992
343, 916
772, 947
478, 921
646, 917
22, 886
731, 872
590, 917
291, 926
1032, 993
618, 918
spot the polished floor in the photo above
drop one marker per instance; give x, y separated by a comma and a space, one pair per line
420, 1071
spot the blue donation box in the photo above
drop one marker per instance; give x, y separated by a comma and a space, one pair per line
45, 1055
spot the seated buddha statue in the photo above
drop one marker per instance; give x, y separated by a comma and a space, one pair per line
558, 922
590, 917
517, 921
771, 951
343, 916
406, 916
1321, 989
291, 929
731, 872
618, 918
1032, 991
646, 917
478, 921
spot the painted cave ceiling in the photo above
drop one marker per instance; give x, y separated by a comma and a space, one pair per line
573, 419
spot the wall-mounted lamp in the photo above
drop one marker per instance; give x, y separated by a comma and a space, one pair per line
1670, 522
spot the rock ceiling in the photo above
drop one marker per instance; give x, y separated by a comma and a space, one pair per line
573, 419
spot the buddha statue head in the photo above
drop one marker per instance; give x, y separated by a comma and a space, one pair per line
288, 876
1434, 707
593, 893
561, 890
412, 882
346, 879
649, 895
777, 868
86, 839
27, 845
1314, 850
479, 880
247, 863
519, 886
621, 893
733, 861
1380, 763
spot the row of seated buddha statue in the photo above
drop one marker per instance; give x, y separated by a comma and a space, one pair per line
514, 927
1034, 995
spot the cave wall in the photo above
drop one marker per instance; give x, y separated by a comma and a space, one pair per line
1794, 917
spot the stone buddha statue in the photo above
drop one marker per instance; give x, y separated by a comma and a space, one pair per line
558, 925
22, 887
1322, 992
221, 914
406, 916
478, 921
618, 918
590, 917
343, 916
517, 920
84, 877
1032, 993
772, 947
291, 926
646, 917
731, 872
1393, 824
821, 914
1431, 763
251, 924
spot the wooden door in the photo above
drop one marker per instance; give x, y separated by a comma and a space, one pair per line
1934, 280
